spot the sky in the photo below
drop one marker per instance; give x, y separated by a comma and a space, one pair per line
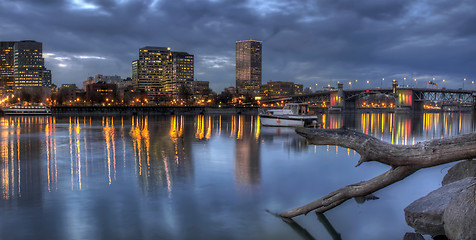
307, 42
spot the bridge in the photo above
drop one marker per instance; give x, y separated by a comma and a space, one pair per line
395, 98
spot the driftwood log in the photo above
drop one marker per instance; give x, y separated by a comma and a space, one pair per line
404, 161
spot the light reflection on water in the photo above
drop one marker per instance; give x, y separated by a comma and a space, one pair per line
189, 177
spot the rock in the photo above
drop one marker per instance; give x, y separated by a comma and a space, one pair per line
413, 236
460, 216
425, 215
460, 171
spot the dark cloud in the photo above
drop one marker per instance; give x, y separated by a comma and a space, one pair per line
310, 42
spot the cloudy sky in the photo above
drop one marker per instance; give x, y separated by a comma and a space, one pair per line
308, 42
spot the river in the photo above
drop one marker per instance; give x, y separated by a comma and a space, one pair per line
201, 177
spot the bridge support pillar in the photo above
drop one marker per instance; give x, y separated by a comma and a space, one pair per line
474, 101
340, 94
404, 99
417, 106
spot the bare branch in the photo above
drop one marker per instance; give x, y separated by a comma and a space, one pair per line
405, 160
422, 155
364, 188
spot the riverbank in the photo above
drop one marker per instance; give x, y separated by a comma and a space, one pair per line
148, 110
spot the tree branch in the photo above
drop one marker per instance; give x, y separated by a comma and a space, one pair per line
421, 155
405, 160
364, 188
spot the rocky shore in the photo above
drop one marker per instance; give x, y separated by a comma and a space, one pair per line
449, 211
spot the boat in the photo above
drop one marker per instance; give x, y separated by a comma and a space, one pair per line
292, 115
22, 109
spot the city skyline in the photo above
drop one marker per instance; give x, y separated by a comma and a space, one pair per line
305, 42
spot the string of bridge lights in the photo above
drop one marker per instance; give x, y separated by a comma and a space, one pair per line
414, 83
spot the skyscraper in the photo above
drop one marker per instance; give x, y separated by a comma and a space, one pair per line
29, 64
7, 78
160, 71
46, 77
248, 67
152, 70
182, 72
22, 65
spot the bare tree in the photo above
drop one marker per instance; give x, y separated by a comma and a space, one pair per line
31, 94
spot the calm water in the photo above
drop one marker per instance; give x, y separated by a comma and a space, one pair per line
199, 177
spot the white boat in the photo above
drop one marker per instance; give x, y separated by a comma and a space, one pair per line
292, 115
21, 109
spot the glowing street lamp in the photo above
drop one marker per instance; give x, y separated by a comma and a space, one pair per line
464, 80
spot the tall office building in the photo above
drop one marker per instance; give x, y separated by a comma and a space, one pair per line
22, 65
7, 78
160, 71
135, 72
29, 64
248, 67
152, 70
46, 77
182, 73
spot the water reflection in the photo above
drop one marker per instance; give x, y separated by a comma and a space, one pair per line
198, 161
247, 152
402, 128
161, 151
21, 177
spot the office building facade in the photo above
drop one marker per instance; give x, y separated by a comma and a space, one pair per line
160, 71
46, 77
182, 73
29, 64
7, 74
152, 70
248, 67
22, 65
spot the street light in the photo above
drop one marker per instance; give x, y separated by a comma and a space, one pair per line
416, 84
464, 80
